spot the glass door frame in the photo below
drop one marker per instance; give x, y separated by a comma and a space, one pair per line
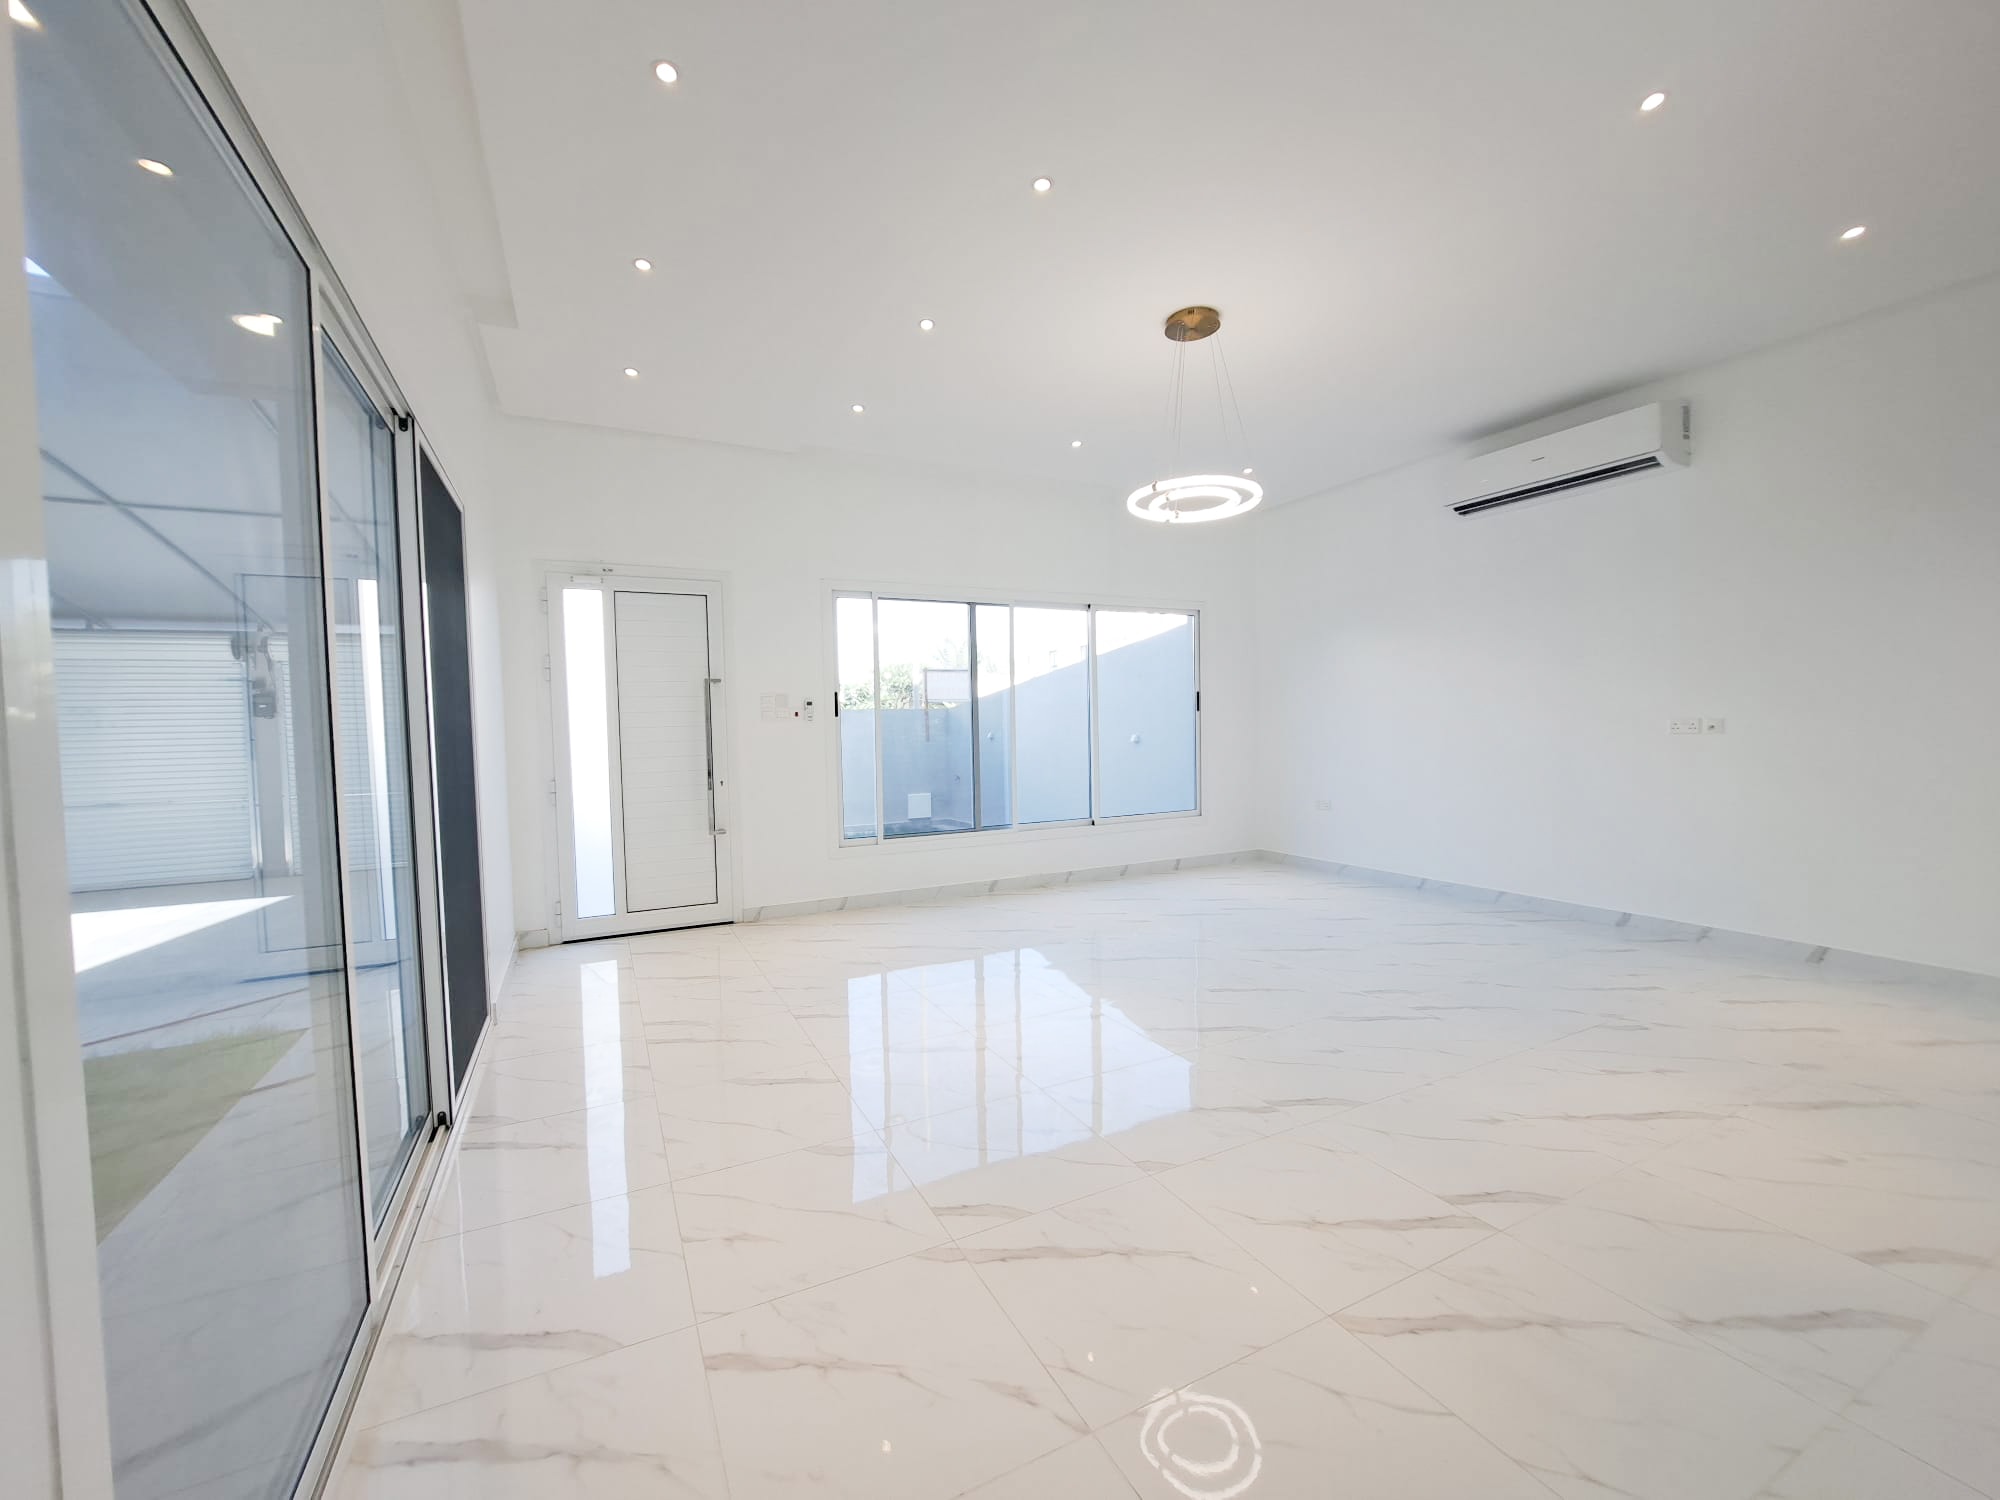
333, 324
565, 925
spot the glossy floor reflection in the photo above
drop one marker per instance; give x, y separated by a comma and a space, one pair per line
1236, 1182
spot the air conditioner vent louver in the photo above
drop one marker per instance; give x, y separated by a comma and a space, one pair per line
1558, 484
1614, 447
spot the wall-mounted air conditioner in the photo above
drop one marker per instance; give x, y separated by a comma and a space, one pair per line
1631, 442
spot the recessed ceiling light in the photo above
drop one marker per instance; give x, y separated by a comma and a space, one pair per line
264, 325
859, 408
16, 11
31, 268
630, 373
1249, 471
926, 324
642, 264
157, 168
1652, 102
1076, 442
1855, 233
666, 72
1042, 184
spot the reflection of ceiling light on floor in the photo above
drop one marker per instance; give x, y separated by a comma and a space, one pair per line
157, 168
264, 325
102, 937
1222, 1426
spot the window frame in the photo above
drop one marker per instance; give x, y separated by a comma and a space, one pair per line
970, 599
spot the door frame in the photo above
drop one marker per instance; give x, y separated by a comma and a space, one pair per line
564, 925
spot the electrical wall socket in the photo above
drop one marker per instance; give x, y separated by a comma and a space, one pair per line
1684, 726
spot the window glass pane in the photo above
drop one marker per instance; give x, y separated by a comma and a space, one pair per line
925, 655
589, 750
993, 633
1052, 714
854, 648
173, 356
374, 754
1145, 712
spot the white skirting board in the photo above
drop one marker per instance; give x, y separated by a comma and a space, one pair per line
1637, 927
995, 887
1634, 926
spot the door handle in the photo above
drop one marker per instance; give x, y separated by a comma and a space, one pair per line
708, 687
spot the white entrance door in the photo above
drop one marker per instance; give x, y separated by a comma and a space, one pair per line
641, 754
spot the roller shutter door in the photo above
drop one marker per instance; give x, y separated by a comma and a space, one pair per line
155, 758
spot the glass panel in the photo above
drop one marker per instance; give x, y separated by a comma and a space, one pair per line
1145, 712
374, 754
993, 635
925, 655
1052, 714
854, 646
589, 750
173, 380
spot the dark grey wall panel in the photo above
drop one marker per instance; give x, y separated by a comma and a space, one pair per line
457, 793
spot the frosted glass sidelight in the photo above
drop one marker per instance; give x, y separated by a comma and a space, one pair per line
589, 712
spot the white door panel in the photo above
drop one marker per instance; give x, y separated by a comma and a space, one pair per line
641, 743
663, 671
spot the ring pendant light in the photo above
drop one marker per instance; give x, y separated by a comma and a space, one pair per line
1192, 498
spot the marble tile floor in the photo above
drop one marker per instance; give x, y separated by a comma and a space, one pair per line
1241, 1181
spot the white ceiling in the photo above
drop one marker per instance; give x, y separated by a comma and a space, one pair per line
1422, 221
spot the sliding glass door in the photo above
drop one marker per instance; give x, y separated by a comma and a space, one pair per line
226, 507
364, 557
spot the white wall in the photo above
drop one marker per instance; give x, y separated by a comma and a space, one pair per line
783, 529
1486, 700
